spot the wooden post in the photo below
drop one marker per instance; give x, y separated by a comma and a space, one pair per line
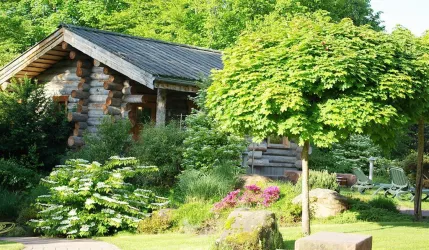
419, 176
161, 106
305, 190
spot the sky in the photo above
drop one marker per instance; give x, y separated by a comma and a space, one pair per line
412, 14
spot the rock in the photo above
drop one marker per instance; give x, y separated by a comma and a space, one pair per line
258, 180
292, 175
325, 202
252, 230
334, 241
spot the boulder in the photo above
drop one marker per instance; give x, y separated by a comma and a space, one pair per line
334, 241
324, 202
253, 230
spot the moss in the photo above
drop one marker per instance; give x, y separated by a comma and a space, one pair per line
243, 240
229, 222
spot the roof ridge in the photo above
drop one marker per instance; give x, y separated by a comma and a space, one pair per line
71, 27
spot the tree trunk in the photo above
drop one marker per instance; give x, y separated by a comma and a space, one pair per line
419, 177
161, 106
305, 191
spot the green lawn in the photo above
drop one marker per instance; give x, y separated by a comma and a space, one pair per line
386, 236
7, 245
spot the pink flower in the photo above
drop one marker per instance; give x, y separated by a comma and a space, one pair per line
253, 188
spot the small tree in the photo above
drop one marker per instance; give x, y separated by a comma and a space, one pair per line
310, 79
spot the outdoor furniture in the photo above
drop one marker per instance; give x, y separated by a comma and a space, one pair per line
363, 182
401, 185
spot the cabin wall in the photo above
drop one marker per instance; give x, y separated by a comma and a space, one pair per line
179, 105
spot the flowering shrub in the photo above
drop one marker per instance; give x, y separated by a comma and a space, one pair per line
251, 196
87, 199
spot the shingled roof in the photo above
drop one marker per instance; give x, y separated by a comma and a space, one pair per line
142, 59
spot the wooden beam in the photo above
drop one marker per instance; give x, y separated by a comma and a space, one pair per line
161, 107
176, 87
109, 59
31, 55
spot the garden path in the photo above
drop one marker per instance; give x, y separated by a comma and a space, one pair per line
410, 211
36, 243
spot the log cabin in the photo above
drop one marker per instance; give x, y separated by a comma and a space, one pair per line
98, 74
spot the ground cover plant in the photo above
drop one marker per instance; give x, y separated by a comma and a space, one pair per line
87, 199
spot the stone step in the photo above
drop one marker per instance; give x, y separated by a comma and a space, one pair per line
277, 158
283, 152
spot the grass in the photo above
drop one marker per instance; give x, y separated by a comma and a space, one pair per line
386, 236
8, 245
368, 196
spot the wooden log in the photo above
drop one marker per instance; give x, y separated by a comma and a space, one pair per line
67, 90
92, 129
84, 86
96, 83
125, 106
78, 132
110, 110
71, 99
61, 84
82, 109
58, 77
81, 72
133, 98
99, 76
66, 46
133, 90
115, 94
97, 63
96, 105
127, 83
83, 102
98, 98
95, 113
113, 102
97, 69
80, 125
75, 55
113, 86
109, 71
76, 117
80, 94
84, 64
115, 79
94, 121
75, 141
161, 107
98, 91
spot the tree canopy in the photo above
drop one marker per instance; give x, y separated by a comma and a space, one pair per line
215, 24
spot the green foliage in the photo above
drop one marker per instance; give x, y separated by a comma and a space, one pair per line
32, 127
286, 212
112, 138
9, 204
15, 177
319, 179
383, 203
161, 146
320, 82
158, 222
205, 146
87, 199
191, 216
323, 159
210, 185
215, 24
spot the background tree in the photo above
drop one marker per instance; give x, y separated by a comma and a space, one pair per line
310, 79
215, 24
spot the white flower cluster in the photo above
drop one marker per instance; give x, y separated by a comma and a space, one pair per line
97, 195
108, 211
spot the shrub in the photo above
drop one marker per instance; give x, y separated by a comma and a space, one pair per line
191, 216
112, 138
252, 196
15, 177
87, 199
161, 146
209, 185
9, 204
33, 129
158, 222
319, 179
383, 203
205, 146
285, 210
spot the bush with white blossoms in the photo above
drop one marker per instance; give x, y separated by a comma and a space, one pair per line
88, 199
